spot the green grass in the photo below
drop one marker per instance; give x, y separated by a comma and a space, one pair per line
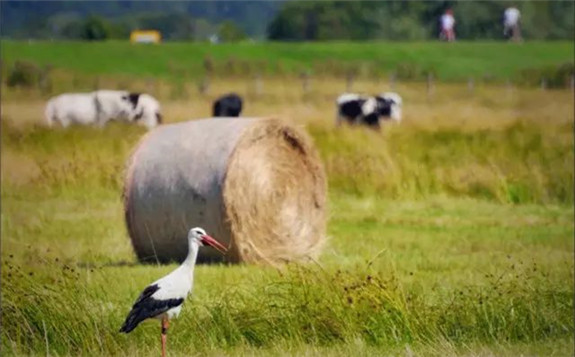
450, 234
437, 276
521, 162
453, 62
412, 266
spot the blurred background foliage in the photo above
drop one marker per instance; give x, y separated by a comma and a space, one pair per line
279, 20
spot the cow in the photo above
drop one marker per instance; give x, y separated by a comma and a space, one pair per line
229, 105
95, 108
352, 108
389, 106
146, 110
99, 107
368, 110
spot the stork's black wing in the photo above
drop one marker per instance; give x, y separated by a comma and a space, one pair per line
146, 307
148, 291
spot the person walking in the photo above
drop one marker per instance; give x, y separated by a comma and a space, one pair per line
447, 26
511, 28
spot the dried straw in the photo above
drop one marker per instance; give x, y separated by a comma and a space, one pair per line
255, 184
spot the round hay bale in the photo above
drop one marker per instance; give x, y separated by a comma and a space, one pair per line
256, 185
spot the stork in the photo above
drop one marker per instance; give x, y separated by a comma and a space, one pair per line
163, 298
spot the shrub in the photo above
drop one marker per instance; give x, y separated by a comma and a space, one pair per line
22, 74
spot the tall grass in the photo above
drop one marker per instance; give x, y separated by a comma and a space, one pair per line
519, 163
69, 310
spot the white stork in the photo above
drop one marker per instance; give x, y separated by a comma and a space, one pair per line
163, 298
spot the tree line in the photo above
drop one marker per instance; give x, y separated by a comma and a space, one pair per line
281, 20
416, 20
171, 26
176, 20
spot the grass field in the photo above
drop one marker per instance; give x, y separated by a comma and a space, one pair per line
450, 234
448, 62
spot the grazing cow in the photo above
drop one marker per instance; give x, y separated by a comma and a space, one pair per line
88, 108
99, 107
229, 105
146, 110
112, 105
389, 106
356, 109
368, 110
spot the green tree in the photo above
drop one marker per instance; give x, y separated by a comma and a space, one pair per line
288, 25
230, 32
415, 20
94, 29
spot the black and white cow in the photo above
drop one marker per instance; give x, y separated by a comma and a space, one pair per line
390, 104
229, 105
102, 106
368, 110
146, 110
95, 108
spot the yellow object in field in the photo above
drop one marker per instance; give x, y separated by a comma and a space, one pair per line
145, 36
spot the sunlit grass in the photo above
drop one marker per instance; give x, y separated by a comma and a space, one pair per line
450, 234
454, 61
447, 271
509, 146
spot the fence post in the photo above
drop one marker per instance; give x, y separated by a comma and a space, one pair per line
204, 85
543, 83
305, 83
470, 85
208, 65
392, 79
429, 84
349, 81
572, 84
509, 87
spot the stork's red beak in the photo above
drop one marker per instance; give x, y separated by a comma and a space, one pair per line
214, 243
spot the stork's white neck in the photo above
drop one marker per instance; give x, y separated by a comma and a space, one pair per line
190, 261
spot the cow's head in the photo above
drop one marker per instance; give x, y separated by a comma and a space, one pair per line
133, 98
147, 111
389, 105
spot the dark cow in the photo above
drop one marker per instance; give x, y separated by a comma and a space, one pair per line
229, 105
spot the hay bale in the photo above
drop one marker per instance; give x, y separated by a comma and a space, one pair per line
257, 185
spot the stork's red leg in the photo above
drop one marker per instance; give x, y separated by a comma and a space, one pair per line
165, 325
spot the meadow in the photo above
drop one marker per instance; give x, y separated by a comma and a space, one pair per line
490, 61
449, 234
